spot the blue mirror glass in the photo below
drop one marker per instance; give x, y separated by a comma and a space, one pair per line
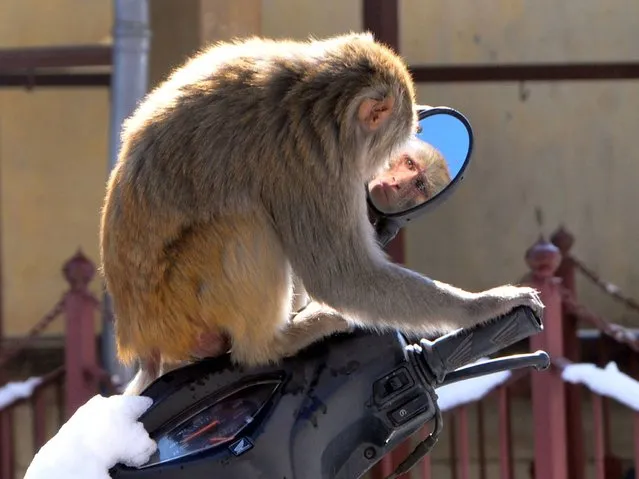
426, 166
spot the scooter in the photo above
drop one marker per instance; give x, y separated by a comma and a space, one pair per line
337, 407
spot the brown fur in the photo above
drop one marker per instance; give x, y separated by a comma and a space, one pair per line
245, 170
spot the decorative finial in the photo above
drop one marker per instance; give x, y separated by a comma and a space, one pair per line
79, 270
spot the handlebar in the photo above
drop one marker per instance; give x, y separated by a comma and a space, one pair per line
458, 349
447, 360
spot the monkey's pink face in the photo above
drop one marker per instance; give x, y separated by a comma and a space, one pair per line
399, 187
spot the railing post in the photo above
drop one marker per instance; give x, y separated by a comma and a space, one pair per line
598, 431
463, 446
7, 458
548, 391
481, 440
636, 442
80, 348
425, 468
505, 435
39, 411
563, 240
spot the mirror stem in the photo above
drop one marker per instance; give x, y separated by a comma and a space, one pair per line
386, 230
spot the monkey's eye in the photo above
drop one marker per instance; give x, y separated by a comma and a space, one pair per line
409, 162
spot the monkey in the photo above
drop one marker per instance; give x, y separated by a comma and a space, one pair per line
242, 173
418, 173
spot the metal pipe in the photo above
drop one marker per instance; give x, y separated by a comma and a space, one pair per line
129, 83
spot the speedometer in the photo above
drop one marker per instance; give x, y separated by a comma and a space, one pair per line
212, 425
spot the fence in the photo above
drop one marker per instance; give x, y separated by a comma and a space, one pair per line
550, 444
71, 385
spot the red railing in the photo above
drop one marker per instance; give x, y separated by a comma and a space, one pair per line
73, 383
37, 404
613, 338
550, 443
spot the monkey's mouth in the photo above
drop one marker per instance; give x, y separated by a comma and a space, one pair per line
381, 193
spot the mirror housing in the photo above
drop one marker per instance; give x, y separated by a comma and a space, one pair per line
444, 141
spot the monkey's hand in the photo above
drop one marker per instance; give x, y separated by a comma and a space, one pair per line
501, 300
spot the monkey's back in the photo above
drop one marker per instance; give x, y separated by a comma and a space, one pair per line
187, 235
212, 124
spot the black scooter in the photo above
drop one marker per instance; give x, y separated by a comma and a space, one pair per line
340, 405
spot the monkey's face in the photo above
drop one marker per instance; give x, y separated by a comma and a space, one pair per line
402, 186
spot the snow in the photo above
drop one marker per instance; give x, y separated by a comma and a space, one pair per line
14, 391
608, 381
457, 394
102, 433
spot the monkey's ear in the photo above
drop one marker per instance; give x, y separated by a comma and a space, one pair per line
373, 113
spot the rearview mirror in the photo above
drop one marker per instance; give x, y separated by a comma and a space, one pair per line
430, 164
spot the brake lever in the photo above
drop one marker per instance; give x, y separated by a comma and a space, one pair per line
539, 360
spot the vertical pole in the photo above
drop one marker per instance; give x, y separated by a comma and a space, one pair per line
131, 39
548, 391
463, 465
7, 458
563, 240
600, 447
481, 437
505, 435
1, 277
426, 467
636, 443
452, 429
80, 347
39, 415
381, 17
5, 441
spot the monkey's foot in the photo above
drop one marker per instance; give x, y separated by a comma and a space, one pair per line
211, 344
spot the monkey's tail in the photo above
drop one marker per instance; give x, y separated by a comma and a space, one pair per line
149, 371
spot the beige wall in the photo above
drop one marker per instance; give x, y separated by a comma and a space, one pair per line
301, 18
500, 31
566, 147
53, 161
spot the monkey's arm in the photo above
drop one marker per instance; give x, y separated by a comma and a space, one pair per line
341, 265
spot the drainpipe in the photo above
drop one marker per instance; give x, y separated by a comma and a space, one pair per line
129, 83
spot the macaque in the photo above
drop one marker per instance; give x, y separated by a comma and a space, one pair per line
416, 174
245, 171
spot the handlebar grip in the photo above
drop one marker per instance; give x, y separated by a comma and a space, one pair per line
464, 346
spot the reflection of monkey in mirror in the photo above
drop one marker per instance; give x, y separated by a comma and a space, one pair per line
243, 171
414, 175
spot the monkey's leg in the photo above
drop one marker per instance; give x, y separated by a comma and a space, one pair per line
313, 323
